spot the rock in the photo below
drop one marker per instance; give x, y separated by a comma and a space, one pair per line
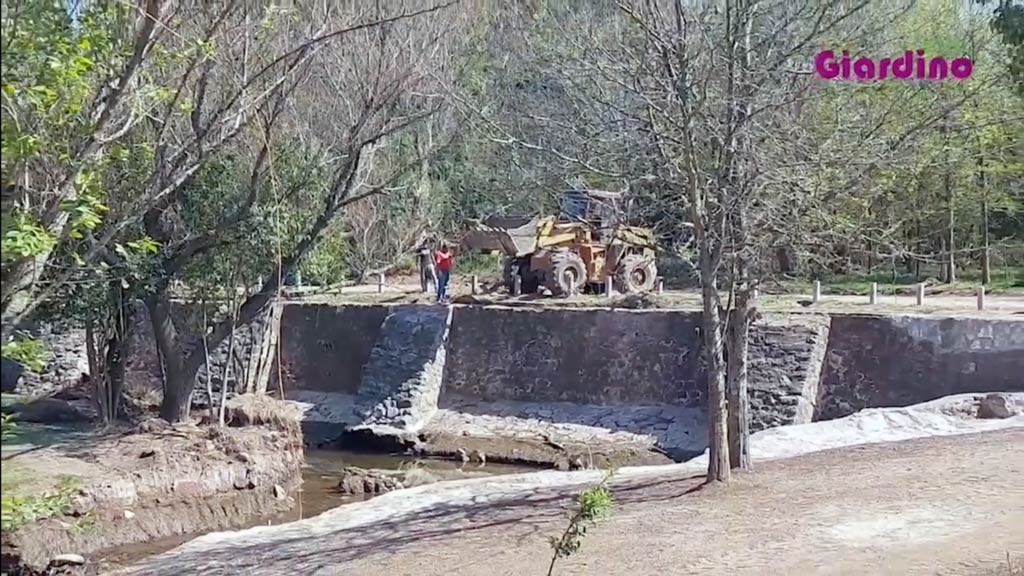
280, 492
12, 375
67, 560
243, 457
360, 481
994, 406
128, 514
478, 456
47, 411
188, 488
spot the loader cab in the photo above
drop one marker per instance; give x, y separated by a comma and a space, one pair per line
602, 210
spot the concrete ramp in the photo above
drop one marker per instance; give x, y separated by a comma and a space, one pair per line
402, 377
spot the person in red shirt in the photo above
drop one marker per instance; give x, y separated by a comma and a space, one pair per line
443, 263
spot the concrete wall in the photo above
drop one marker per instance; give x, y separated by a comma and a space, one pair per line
803, 366
875, 361
324, 348
599, 357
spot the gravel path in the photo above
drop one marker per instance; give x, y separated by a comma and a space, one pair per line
946, 505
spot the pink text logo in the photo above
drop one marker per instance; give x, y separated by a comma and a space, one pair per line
828, 66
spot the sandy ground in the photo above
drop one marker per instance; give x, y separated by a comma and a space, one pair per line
948, 504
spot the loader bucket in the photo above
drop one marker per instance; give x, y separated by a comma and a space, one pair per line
510, 236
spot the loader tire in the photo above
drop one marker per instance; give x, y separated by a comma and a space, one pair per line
567, 275
635, 274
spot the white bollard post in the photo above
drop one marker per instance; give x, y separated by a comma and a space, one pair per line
380, 283
476, 286
817, 292
517, 285
754, 293
981, 297
608, 287
661, 285
920, 294
874, 293
572, 285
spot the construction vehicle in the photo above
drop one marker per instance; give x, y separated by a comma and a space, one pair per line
579, 250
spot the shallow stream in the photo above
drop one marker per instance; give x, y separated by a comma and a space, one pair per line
318, 494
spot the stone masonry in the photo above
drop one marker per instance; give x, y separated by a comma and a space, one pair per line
786, 355
405, 369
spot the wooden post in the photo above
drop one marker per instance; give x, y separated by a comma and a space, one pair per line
920, 294
517, 285
981, 297
874, 293
380, 283
817, 292
476, 285
608, 286
661, 285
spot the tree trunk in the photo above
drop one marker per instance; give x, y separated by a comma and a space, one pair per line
718, 446
177, 383
986, 259
950, 213
738, 343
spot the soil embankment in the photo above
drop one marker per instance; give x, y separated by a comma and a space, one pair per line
152, 482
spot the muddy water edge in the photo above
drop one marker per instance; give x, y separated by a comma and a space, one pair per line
318, 493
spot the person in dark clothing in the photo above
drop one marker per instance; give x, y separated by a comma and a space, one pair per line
443, 263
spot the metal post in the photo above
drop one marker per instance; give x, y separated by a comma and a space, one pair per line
608, 287
380, 283
661, 285
981, 297
874, 293
517, 285
572, 285
476, 286
920, 294
754, 293
817, 292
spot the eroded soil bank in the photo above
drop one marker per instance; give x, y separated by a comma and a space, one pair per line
152, 482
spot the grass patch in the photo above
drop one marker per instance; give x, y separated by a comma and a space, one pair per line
259, 410
1005, 280
20, 510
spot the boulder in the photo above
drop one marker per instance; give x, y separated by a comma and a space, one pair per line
48, 411
360, 481
995, 406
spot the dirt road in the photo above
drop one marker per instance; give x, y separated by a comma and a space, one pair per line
1011, 304
952, 505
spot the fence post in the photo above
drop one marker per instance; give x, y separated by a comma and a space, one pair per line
874, 293
380, 283
661, 285
817, 292
981, 297
920, 294
608, 287
517, 285
476, 286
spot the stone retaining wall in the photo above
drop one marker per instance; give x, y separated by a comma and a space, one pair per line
878, 361
383, 365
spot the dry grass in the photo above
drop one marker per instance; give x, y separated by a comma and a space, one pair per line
262, 410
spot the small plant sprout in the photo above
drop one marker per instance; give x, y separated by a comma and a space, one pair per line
592, 505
